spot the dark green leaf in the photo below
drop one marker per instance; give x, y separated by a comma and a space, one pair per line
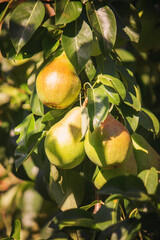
98, 106
36, 105
76, 41
25, 129
107, 215
25, 19
90, 70
103, 22
130, 116
66, 191
148, 120
16, 230
67, 11
150, 179
128, 23
73, 218
24, 156
126, 229
2, 14
106, 66
129, 187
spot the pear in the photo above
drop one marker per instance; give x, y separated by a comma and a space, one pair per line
108, 145
146, 157
63, 145
57, 84
128, 167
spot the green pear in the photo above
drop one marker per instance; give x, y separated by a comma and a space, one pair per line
128, 167
108, 145
57, 84
63, 145
146, 157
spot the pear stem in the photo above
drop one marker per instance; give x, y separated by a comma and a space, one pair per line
49, 9
98, 205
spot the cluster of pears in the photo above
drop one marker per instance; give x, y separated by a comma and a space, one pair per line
109, 146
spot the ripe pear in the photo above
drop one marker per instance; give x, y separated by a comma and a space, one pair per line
108, 145
57, 84
63, 145
146, 157
128, 167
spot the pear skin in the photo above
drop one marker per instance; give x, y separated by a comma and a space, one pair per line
57, 84
108, 145
146, 157
63, 145
128, 167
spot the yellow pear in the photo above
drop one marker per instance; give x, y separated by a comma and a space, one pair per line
146, 157
57, 84
128, 167
63, 145
108, 145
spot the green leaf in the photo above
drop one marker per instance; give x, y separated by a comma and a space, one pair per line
73, 218
49, 45
117, 84
36, 105
76, 42
66, 191
25, 19
150, 179
67, 11
107, 215
132, 101
103, 22
2, 14
127, 186
128, 22
92, 204
148, 120
25, 129
126, 229
90, 70
85, 121
107, 65
113, 96
25, 156
16, 230
98, 106
130, 116
53, 115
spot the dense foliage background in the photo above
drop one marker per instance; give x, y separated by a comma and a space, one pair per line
114, 45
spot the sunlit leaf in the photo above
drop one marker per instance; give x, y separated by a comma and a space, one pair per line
103, 22
16, 230
98, 106
67, 11
150, 179
76, 41
117, 84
